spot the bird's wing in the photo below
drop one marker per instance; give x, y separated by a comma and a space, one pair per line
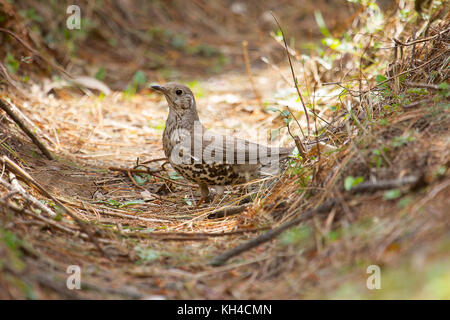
213, 147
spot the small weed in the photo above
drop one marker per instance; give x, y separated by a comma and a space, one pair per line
351, 182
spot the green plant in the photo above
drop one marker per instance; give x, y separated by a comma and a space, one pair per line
11, 63
351, 182
146, 254
100, 74
444, 89
119, 204
392, 194
139, 79
401, 140
295, 236
377, 158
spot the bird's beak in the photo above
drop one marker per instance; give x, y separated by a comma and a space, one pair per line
159, 88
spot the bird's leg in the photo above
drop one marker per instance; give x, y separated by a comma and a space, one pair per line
220, 190
205, 194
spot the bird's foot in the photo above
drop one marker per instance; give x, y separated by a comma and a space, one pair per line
205, 199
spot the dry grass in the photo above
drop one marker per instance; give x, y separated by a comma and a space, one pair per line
157, 243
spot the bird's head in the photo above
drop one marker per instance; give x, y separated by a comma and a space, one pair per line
179, 97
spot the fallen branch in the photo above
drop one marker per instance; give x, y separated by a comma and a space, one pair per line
229, 211
370, 186
25, 176
47, 221
16, 187
197, 234
422, 85
4, 105
127, 171
271, 234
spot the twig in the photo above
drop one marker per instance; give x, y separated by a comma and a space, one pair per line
369, 186
298, 124
271, 234
397, 41
413, 51
19, 171
229, 211
188, 236
134, 182
23, 126
292, 72
50, 222
209, 234
8, 78
35, 52
405, 72
152, 174
16, 187
298, 142
150, 161
422, 85
414, 104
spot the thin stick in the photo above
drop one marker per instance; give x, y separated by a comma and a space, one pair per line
7, 76
25, 129
370, 186
229, 211
152, 174
271, 234
19, 171
405, 72
206, 234
423, 85
151, 160
420, 40
35, 52
292, 72
134, 182
16, 187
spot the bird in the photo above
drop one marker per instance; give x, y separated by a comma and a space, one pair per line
205, 157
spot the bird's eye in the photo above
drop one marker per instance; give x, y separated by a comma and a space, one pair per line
178, 92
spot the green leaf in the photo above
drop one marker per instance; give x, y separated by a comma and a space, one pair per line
392, 194
11, 63
443, 86
140, 181
139, 77
147, 254
380, 78
187, 201
175, 176
285, 113
321, 23
131, 203
351, 182
296, 235
273, 109
100, 74
287, 120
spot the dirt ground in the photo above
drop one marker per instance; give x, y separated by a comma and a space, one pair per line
157, 244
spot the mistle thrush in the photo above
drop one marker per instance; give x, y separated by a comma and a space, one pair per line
208, 158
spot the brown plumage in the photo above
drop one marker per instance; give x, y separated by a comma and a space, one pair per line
208, 158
